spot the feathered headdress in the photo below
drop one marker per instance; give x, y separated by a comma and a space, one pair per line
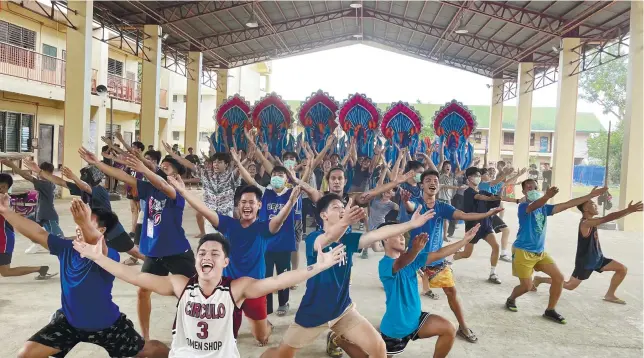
318, 116
272, 118
360, 119
232, 117
453, 124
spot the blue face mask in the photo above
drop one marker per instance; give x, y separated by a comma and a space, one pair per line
417, 177
290, 163
277, 182
533, 195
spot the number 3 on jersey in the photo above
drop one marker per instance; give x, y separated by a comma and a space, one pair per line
203, 334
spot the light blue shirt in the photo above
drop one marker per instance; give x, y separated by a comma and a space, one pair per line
532, 228
403, 300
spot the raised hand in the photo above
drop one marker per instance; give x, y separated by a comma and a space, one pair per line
494, 211
632, 208
177, 183
330, 139
353, 214
119, 136
167, 146
417, 219
68, 173
135, 163
89, 251
107, 141
471, 233
5, 203
234, 155
87, 156
405, 195
331, 257
418, 243
81, 212
31, 165
552, 191
403, 178
295, 194
597, 191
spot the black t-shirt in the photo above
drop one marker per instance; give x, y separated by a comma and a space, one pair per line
192, 158
360, 177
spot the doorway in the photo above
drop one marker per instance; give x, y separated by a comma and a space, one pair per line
46, 143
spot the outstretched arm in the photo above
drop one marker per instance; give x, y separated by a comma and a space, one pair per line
250, 288
385, 232
632, 208
459, 215
171, 285
26, 227
371, 194
109, 170
574, 202
196, 203
183, 161
242, 171
79, 183
453, 248
278, 220
23, 173
45, 175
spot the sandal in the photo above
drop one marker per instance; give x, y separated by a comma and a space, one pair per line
432, 295
615, 300
469, 336
282, 310
332, 349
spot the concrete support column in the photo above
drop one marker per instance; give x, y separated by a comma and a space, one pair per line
632, 148
164, 132
521, 157
563, 150
100, 115
222, 86
193, 100
267, 84
150, 86
77, 83
495, 137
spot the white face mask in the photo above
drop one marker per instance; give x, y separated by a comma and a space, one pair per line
476, 180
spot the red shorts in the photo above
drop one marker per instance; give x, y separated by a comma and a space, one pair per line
255, 308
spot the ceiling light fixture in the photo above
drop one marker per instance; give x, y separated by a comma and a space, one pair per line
556, 49
355, 5
165, 36
461, 27
252, 23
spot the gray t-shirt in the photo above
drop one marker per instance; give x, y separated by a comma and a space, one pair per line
378, 210
46, 193
444, 193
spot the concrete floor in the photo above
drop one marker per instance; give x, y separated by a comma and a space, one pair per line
595, 328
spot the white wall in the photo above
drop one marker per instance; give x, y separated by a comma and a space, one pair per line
581, 146
245, 81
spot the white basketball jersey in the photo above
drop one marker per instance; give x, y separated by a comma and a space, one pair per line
206, 327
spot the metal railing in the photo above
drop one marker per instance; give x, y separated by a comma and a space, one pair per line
33, 66
123, 88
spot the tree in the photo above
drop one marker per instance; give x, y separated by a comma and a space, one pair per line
606, 86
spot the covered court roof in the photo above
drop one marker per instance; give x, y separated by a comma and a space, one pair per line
484, 37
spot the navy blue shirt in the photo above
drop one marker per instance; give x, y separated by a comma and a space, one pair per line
99, 198
162, 234
272, 203
327, 293
86, 289
416, 193
247, 247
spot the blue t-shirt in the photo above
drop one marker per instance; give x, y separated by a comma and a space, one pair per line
433, 227
532, 228
247, 247
162, 234
272, 203
86, 289
403, 301
492, 189
99, 198
327, 293
416, 193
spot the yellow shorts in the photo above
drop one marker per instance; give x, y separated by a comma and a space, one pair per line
523, 262
442, 279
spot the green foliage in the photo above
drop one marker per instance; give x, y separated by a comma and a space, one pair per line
606, 86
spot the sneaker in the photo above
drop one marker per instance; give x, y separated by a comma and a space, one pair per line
365, 254
505, 258
332, 349
511, 305
554, 316
35, 248
494, 279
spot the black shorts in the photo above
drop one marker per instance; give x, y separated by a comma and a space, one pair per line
582, 273
397, 345
121, 243
498, 224
181, 264
5, 259
484, 230
119, 340
137, 233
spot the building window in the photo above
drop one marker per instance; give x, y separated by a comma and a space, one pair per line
12, 35
203, 136
16, 132
477, 137
175, 135
50, 59
508, 138
115, 67
532, 139
174, 98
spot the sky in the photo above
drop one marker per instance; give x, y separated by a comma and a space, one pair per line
386, 76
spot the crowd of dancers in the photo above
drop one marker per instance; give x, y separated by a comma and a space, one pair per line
253, 217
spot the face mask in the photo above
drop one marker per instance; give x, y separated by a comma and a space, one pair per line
476, 180
533, 195
278, 182
290, 163
417, 177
